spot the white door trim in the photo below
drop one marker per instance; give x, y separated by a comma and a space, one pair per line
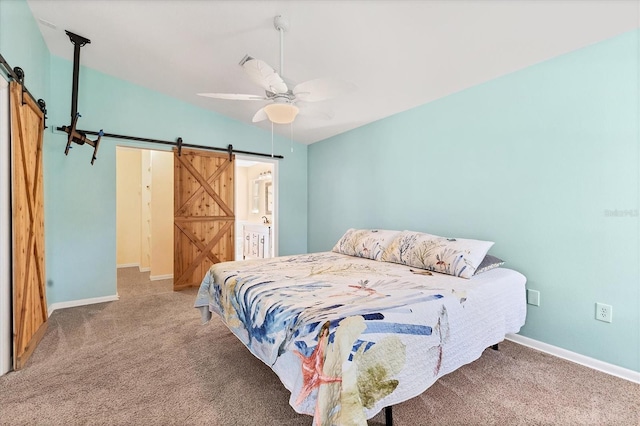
6, 342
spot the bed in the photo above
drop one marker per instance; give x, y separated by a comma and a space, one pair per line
349, 335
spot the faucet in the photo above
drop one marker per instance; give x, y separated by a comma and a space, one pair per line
265, 219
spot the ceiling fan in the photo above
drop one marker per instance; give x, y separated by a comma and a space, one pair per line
283, 107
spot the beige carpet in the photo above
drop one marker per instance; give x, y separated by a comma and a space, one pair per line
147, 360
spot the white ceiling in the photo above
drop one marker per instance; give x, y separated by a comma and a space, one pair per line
399, 54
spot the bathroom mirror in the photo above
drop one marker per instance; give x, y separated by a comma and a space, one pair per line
268, 205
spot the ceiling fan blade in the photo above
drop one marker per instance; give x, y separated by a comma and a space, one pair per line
263, 75
233, 96
321, 89
261, 115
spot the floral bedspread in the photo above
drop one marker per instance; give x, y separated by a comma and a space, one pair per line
349, 336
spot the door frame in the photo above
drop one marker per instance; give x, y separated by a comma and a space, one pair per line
6, 326
276, 194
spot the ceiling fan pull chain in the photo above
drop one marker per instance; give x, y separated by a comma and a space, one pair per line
291, 136
272, 139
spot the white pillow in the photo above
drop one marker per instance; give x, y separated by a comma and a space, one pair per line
368, 243
452, 256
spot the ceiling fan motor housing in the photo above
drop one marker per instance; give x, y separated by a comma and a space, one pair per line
281, 23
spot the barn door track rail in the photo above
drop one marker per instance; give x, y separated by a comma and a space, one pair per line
179, 143
17, 74
80, 136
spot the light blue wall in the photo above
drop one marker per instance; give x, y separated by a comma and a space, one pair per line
532, 161
22, 45
80, 205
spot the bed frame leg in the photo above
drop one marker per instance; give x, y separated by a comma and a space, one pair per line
495, 347
388, 416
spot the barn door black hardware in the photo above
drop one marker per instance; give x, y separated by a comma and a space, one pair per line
17, 74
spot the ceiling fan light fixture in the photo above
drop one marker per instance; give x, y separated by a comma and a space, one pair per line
281, 113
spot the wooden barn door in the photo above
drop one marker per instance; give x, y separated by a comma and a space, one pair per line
29, 299
203, 214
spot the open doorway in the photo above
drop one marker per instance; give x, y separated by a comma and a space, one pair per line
144, 216
255, 208
144, 221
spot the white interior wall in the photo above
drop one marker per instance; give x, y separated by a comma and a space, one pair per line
5, 232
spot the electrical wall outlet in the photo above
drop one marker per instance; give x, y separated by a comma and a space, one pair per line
604, 312
533, 297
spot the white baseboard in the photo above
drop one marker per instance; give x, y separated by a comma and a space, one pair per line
605, 367
145, 269
160, 277
127, 265
81, 302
